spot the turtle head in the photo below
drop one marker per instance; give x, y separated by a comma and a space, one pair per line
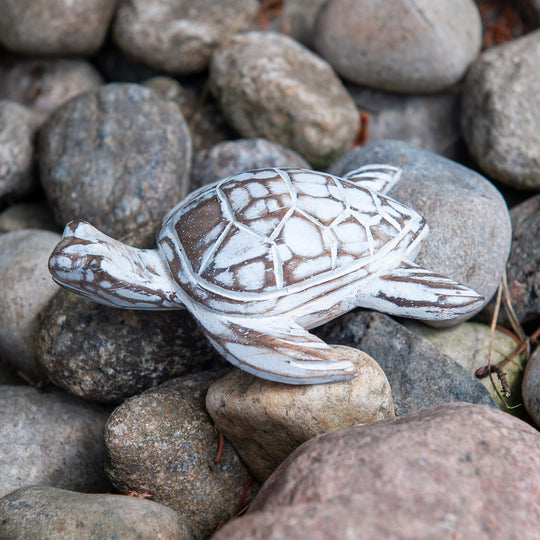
110, 272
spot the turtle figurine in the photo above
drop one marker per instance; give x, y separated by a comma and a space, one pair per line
260, 257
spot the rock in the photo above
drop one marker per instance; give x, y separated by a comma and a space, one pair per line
44, 84
468, 345
270, 86
47, 512
298, 19
26, 290
531, 11
179, 36
470, 229
105, 354
50, 438
266, 421
430, 121
119, 157
163, 443
523, 267
206, 123
419, 374
54, 27
531, 387
501, 112
421, 46
32, 215
453, 471
17, 128
231, 157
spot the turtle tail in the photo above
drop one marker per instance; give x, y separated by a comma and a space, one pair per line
107, 271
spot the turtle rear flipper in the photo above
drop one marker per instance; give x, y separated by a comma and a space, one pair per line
415, 292
275, 348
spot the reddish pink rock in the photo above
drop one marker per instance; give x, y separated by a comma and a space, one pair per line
453, 471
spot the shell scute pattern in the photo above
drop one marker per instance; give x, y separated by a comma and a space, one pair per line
268, 229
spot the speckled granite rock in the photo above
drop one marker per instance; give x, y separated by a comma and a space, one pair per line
501, 112
420, 46
17, 129
50, 438
179, 36
26, 290
454, 471
164, 443
266, 421
47, 512
419, 374
44, 84
119, 157
470, 229
270, 86
106, 354
54, 27
231, 157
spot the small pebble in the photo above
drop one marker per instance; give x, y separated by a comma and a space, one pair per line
50, 438
119, 157
420, 375
265, 421
17, 129
453, 471
105, 354
268, 85
231, 157
179, 36
500, 112
163, 443
48, 512
54, 27
44, 84
26, 290
469, 224
420, 46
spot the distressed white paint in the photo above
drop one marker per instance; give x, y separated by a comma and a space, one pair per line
292, 249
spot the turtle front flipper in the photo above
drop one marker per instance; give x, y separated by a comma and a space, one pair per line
274, 348
409, 290
378, 177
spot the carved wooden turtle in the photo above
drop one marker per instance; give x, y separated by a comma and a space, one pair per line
260, 257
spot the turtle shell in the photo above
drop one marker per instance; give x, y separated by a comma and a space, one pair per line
271, 229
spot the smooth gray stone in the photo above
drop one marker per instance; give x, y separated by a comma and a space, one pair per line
500, 112
54, 27
119, 157
50, 438
419, 374
469, 223
47, 512
26, 289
